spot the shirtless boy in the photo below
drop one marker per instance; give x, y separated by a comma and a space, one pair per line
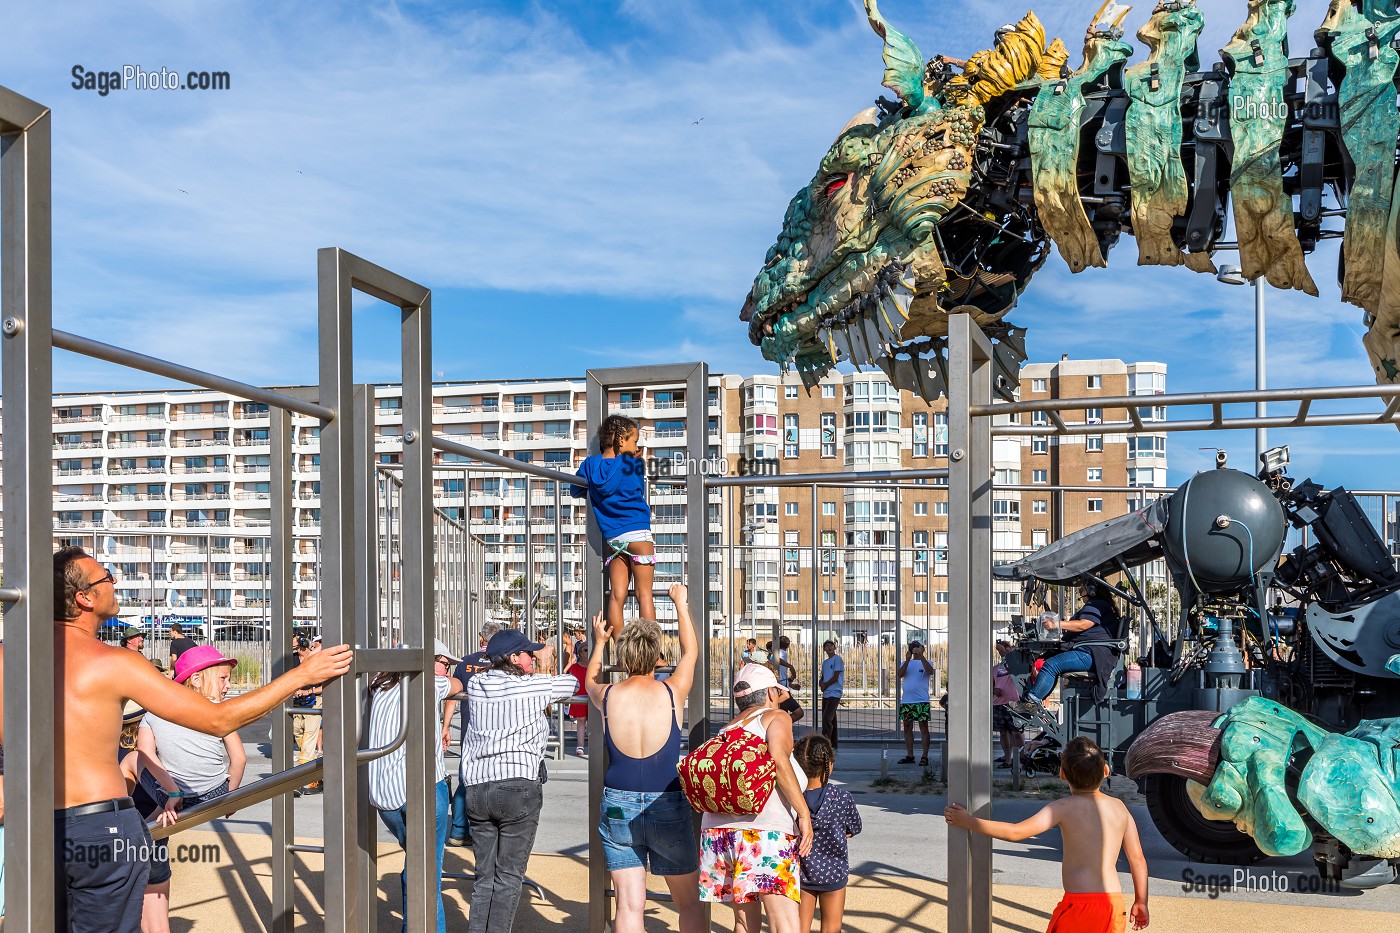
92, 682
1093, 828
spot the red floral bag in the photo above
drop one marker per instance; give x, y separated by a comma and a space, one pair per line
732, 773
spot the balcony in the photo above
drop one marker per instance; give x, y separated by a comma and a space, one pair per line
199, 442
135, 471
253, 441
94, 444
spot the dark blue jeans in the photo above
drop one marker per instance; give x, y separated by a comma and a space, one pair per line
1075, 659
397, 821
460, 829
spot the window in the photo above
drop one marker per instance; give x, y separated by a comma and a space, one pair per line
1095, 474
828, 596
940, 434
1006, 510
1040, 385
940, 597
828, 508
790, 508
1040, 476
789, 391
791, 595
828, 391
1040, 507
1094, 382
1147, 447
920, 433
524, 403
761, 395
828, 432
391, 404
790, 434
940, 508
1040, 445
1040, 538
1093, 415
1093, 443
921, 597
1040, 419
920, 508
1095, 505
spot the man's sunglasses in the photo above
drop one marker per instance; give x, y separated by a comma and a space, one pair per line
108, 578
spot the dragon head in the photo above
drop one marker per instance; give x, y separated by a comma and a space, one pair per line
896, 230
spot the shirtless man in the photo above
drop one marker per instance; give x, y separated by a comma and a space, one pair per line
96, 887
1093, 828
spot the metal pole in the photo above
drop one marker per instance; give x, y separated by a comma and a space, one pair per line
1261, 440
969, 623
26, 305
816, 642
283, 814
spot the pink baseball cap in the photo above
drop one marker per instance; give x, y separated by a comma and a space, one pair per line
757, 676
197, 659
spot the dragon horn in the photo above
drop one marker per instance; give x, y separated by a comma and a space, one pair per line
1186, 744
1118, 23
904, 63
1099, 14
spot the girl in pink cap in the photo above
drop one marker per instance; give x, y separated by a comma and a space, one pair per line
202, 766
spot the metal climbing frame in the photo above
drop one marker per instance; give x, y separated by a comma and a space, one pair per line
695, 378
973, 419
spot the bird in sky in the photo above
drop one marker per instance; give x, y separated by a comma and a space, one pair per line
696, 122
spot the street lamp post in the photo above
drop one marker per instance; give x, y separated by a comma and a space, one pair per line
1233, 275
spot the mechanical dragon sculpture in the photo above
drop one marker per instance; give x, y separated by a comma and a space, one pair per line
947, 200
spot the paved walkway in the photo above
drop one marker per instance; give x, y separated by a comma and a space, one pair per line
234, 894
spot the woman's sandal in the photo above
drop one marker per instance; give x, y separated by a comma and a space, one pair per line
923, 762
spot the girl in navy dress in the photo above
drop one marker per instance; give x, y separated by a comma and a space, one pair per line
834, 820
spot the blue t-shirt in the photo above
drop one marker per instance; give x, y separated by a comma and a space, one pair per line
1105, 619
617, 493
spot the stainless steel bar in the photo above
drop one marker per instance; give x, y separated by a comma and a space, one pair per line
269, 788
863, 478
96, 349
367, 584
1314, 393
530, 582
820, 724
517, 466
599, 908
345, 904
415, 570
11, 594
365, 755
969, 622
1224, 424
26, 305
283, 918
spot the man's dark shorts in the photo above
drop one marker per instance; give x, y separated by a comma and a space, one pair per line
1002, 720
101, 871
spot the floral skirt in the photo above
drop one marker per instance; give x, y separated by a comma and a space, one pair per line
740, 865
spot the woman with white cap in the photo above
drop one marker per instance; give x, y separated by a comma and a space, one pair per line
502, 769
751, 861
202, 766
388, 775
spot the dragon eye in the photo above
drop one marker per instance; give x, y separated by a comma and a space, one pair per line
834, 185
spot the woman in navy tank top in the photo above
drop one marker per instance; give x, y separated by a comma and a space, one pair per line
645, 818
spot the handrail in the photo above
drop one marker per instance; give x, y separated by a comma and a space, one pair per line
506, 463
831, 479
150, 364
274, 785
365, 755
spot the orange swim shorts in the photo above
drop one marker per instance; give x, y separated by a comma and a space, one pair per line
1089, 913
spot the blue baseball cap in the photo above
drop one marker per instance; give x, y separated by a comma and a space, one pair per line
509, 641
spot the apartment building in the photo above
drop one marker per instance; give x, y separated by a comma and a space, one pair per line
172, 489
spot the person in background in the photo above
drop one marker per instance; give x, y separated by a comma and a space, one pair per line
578, 712
473, 664
179, 642
388, 776
1096, 622
306, 727
915, 673
201, 766
1004, 693
503, 770
747, 655
134, 638
645, 817
833, 685
835, 819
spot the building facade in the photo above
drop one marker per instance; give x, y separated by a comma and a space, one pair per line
172, 489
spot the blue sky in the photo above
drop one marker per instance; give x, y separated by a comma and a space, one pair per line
539, 166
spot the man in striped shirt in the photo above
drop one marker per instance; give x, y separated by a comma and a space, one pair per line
502, 769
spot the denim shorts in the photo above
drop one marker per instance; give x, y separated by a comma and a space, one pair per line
639, 827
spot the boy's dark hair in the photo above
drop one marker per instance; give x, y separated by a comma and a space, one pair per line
67, 581
613, 429
815, 754
1082, 763
784, 642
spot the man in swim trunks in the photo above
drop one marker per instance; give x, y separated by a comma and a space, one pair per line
99, 876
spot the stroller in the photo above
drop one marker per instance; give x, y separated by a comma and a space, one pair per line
1041, 755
